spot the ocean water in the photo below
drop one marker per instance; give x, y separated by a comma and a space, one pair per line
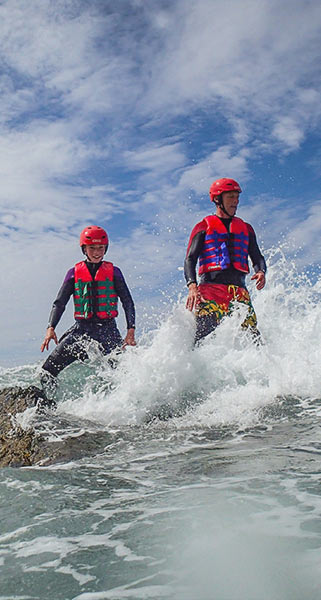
199, 475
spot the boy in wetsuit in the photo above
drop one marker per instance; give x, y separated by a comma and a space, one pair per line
222, 244
95, 286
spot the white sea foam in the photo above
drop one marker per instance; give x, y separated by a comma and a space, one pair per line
227, 378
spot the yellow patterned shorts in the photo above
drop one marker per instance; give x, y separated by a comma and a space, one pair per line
220, 301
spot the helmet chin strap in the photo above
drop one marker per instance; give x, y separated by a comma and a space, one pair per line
222, 207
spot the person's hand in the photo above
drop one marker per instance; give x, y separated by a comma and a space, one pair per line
260, 279
50, 335
129, 339
193, 296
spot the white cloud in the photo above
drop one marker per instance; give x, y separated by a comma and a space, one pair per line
305, 235
279, 222
288, 132
42, 149
157, 158
37, 166
223, 162
229, 58
248, 60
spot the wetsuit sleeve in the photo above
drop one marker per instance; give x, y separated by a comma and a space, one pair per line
194, 249
255, 255
125, 297
59, 305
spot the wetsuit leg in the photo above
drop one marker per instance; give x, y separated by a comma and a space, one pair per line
109, 339
69, 349
204, 326
109, 336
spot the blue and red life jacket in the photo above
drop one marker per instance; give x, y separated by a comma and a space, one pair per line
224, 248
105, 295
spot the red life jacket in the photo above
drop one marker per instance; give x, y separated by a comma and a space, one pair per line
106, 296
220, 243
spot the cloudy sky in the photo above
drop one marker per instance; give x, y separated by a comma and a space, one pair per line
121, 113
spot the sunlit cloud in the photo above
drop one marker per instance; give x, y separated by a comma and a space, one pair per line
220, 162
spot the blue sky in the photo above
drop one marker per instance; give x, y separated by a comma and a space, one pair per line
122, 113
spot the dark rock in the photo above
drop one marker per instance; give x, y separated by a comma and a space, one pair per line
21, 447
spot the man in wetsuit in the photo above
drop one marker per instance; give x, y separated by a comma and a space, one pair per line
95, 286
222, 244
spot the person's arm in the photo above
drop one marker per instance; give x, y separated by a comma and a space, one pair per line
194, 249
125, 297
58, 307
257, 259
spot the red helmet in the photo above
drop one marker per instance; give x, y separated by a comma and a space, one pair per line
93, 235
223, 185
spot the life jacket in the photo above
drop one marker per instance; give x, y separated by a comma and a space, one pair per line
106, 297
223, 248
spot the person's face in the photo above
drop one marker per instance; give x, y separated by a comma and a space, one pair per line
230, 202
95, 252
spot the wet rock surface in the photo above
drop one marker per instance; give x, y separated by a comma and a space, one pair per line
20, 446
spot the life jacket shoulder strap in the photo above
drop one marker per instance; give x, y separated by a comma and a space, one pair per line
82, 272
214, 223
237, 225
106, 270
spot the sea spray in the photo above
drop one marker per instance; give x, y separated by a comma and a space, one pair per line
226, 379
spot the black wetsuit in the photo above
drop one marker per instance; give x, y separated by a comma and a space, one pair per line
72, 345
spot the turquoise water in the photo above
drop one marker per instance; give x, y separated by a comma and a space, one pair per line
221, 501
